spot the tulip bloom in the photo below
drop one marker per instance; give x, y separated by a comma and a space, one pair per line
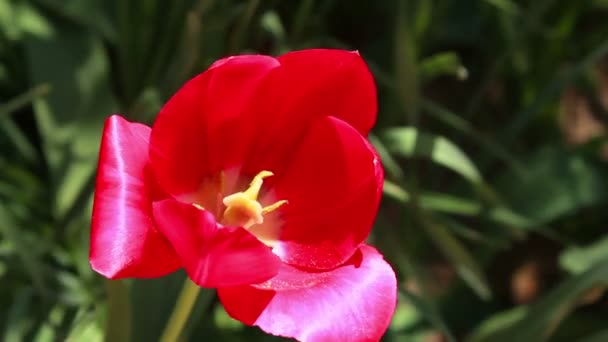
257, 179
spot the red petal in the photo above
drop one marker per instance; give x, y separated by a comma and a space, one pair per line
354, 302
308, 85
339, 83
123, 240
200, 130
333, 187
214, 256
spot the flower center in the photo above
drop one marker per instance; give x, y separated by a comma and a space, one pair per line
243, 208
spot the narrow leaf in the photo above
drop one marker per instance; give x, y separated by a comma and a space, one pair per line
459, 256
538, 321
409, 142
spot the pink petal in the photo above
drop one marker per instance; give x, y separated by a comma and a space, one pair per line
333, 186
200, 130
124, 242
354, 302
214, 256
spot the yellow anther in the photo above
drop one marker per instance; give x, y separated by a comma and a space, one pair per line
276, 205
256, 184
243, 208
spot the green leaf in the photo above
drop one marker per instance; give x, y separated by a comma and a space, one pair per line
538, 321
579, 259
557, 183
86, 327
409, 142
423, 19
271, 22
406, 323
457, 122
600, 4
149, 34
149, 317
223, 321
17, 322
601, 336
8, 127
46, 331
70, 118
87, 13
23, 99
459, 256
391, 167
406, 60
441, 64
450, 204
399, 252
32, 265
498, 322
429, 312
20, 18
506, 6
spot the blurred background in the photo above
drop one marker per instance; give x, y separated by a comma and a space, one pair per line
491, 125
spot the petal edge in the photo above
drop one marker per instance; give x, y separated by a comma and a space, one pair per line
312, 306
214, 256
124, 242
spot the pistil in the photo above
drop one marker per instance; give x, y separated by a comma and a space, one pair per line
243, 208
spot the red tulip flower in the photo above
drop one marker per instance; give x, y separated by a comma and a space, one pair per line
257, 179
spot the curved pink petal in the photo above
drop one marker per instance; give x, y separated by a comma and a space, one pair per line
354, 302
124, 242
333, 186
214, 256
200, 130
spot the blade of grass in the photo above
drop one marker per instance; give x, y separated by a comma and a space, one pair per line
459, 256
450, 204
410, 142
457, 122
538, 321
507, 6
402, 258
236, 40
10, 230
302, 16
551, 91
391, 166
24, 99
430, 312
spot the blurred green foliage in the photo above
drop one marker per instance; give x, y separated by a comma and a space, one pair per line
491, 127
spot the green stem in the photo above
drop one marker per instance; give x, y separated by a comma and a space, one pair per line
181, 312
118, 325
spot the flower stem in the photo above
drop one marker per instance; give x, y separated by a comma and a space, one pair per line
181, 312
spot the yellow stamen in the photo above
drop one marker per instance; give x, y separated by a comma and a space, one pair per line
243, 208
256, 184
276, 205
